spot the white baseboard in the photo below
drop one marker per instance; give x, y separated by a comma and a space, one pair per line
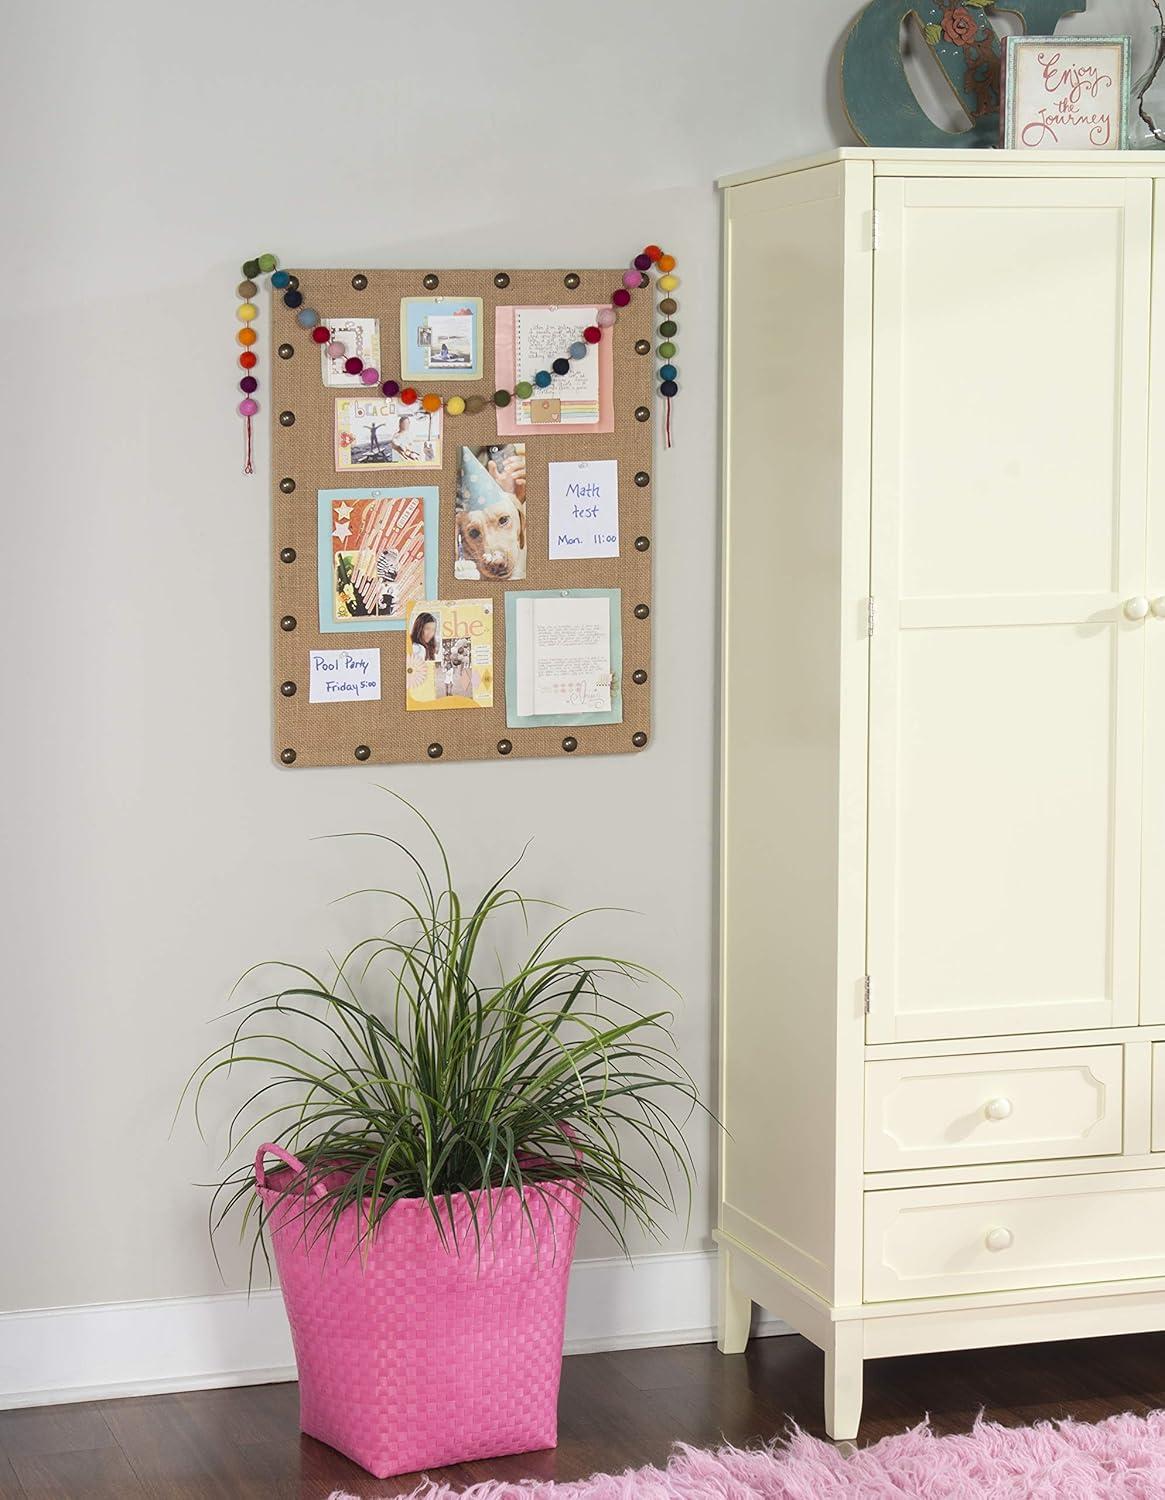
657, 1299
197, 1343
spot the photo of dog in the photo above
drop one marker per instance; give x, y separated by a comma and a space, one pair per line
490, 514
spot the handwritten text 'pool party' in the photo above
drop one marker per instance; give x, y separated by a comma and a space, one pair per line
345, 676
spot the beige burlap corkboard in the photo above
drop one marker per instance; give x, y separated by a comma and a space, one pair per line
348, 733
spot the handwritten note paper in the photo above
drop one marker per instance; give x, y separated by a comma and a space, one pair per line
584, 509
564, 655
345, 676
540, 336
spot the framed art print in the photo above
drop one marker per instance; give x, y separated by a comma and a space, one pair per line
1065, 93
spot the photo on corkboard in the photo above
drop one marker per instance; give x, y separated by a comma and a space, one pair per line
380, 432
490, 514
449, 659
358, 338
440, 338
377, 550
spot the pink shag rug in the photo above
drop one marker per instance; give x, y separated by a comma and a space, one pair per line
1123, 1457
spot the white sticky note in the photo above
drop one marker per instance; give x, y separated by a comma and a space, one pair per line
584, 509
345, 676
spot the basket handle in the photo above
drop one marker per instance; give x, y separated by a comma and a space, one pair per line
269, 1148
571, 1137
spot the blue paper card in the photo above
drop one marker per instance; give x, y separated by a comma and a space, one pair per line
377, 549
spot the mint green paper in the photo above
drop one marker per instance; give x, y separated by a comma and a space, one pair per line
613, 715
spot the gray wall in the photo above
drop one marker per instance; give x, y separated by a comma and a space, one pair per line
152, 850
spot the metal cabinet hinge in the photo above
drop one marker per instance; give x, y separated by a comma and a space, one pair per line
866, 994
871, 615
873, 229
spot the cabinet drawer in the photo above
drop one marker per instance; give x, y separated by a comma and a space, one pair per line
1004, 1236
993, 1107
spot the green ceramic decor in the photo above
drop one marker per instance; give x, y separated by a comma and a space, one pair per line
879, 101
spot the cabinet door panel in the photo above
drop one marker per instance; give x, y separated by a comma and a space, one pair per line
1007, 684
1153, 889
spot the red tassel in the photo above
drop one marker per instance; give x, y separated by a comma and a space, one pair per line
249, 467
667, 421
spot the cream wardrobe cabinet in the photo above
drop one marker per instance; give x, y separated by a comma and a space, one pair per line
943, 865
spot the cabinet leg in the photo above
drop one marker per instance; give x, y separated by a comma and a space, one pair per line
735, 1310
843, 1382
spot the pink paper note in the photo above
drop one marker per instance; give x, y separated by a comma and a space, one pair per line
505, 376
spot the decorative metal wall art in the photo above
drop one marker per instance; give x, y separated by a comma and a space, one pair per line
877, 95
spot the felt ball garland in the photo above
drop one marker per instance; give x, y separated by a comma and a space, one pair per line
634, 278
246, 313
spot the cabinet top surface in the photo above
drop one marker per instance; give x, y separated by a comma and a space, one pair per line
889, 160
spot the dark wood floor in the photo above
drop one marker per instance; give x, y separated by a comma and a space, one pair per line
617, 1410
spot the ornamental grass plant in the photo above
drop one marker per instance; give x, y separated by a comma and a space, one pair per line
423, 1068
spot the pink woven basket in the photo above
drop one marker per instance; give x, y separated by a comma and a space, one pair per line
419, 1355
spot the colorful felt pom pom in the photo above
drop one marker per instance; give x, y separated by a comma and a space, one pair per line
307, 318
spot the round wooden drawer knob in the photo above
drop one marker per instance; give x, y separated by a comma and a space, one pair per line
999, 1239
998, 1109
1136, 608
